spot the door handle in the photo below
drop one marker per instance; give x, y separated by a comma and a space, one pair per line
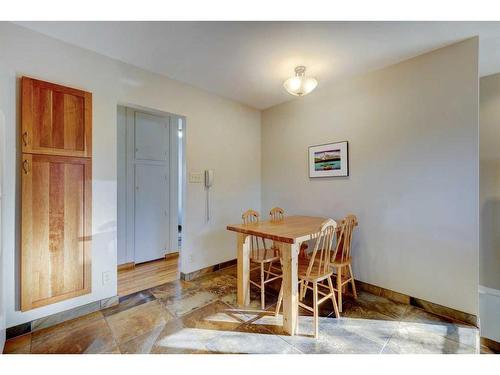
25, 138
25, 166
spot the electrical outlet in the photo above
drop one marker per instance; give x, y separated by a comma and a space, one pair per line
106, 277
190, 259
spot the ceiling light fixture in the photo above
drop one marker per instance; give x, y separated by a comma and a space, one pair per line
300, 84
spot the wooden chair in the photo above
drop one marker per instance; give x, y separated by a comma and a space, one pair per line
262, 256
342, 257
317, 270
277, 214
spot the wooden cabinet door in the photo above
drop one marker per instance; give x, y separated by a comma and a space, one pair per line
56, 120
56, 229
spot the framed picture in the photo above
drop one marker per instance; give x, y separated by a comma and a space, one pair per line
329, 160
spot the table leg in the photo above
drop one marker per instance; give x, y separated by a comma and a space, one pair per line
290, 288
243, 269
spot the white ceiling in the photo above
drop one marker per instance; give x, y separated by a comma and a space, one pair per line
248, 61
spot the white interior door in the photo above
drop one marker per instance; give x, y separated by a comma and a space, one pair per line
151, 212
151, 137
149, 182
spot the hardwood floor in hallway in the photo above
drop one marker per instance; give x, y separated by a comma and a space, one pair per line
147, 275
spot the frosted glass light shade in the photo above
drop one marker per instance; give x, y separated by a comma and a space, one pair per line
300, 84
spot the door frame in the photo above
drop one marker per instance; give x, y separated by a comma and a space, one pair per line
126, 210
2, 297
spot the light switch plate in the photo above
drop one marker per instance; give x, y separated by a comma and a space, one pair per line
106, 277
195, 177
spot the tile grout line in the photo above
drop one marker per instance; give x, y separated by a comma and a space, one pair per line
290, 344
112, 333
265, 328
269, 332
174, 318
396, 331
160, 301
293, 346
453, 323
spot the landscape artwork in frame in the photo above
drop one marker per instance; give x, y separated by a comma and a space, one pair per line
329, 160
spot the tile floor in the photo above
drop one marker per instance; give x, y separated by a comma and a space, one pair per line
201, 316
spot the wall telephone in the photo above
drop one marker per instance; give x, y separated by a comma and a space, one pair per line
209, 180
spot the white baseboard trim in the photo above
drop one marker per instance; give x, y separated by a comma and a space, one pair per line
489, 306
490, 291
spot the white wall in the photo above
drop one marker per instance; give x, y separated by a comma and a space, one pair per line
121, 175
413, 147
221, 134
489, 154
2, 283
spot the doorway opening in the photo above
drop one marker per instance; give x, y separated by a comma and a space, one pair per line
150, 195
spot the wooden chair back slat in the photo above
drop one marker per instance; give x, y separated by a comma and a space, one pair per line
248, 217
277, 214
344, 238
323, 248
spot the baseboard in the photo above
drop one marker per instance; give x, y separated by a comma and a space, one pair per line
126, 266
195, 274
392, 295
131, 265
430, 307
491, 344
489, 308
60, 317
492, 292
172, 255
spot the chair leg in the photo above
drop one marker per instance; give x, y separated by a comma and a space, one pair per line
344, 286
334, 300
304, 289
339, 287
315, 308
280, 299
353, 283
249, 284
262, 288
269, 270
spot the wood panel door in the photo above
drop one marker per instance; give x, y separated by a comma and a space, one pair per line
56, 229
56, 120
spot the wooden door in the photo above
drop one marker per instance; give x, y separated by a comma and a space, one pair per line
56, 229
56, 120
56, 201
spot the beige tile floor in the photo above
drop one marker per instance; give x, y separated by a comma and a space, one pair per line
201, 316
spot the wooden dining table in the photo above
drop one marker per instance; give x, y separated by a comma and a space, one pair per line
290, 232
